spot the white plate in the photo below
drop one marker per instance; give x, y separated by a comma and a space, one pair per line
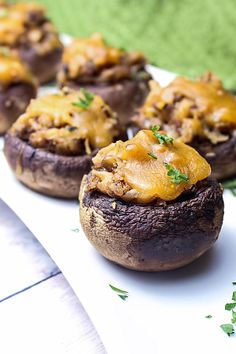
165, 312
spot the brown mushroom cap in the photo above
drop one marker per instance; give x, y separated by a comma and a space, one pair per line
221, 157
13, 102
43, 65
153, 237
45, 172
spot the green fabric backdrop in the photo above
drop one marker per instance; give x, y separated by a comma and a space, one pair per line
184, 36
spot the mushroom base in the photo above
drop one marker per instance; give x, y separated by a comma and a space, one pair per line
44, 66
221, 157
153, 237
123, 97
45, 172
13, 102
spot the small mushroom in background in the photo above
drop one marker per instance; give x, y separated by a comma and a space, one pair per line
17, 88
50, 147
26, 30
200, 113
119, 77
149, 203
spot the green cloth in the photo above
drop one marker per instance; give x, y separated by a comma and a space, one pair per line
187, 37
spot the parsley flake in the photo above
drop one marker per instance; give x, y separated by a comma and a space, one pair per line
230, 306
208, 316
228, 328
84, 103
234, 282
177, 177
162, 138
234, 296
152, 155
233, 319
123, 294
75, 230
4, 12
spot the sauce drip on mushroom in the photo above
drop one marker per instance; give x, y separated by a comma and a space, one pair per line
138, 169
61, 123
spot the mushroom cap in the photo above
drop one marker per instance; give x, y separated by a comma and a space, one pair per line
45, 172
13, 102
153, 237
220, 156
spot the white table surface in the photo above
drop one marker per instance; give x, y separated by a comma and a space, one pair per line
39, 312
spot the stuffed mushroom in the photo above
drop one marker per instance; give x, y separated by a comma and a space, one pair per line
114, 74
149, 204
25, 29
17, 87
50, 147
200, 113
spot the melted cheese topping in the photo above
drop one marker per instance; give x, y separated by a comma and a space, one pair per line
13, 19
95, 51
12, 70
53, 121
126, 170
217, 104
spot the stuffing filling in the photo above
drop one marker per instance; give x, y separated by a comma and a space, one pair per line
68, 123
190, 110
93, 61
26, 25
144, 169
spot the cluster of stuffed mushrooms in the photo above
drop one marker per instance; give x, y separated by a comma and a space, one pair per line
149, 203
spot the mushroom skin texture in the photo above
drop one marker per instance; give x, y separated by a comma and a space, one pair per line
152, 237
26, 30
44, 172
200, 113
17, 87
221, 156
13, 101
119, 77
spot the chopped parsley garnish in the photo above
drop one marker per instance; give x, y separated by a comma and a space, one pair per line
234, 282
5, 51
228, 328
75, 230
3, 12
234, 296
208, 316
230, 306
177, 177
152, 155
231, 185
162, 138
233, 319
84, 103
71, 128
123, 294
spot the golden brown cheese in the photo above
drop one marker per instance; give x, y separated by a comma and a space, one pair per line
126, 170
13, 19
54, 122
12, 70
94, 50
198, 108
